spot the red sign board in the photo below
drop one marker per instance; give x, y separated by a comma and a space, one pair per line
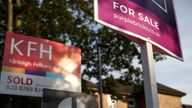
40, 54
31, 64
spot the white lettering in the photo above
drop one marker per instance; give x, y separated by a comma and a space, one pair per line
30, 48
20, 62
123, 9
14, 46
115, 5
45, 51
156, 25
131, 12
140, 16
148, 20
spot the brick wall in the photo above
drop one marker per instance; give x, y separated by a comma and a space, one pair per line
167, 101
104, 97
122, 103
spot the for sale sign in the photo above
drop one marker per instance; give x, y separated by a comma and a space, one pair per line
31, 64
142, 20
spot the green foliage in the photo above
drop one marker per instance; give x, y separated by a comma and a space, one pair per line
110, 86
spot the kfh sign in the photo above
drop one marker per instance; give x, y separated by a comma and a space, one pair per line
32, 64
142, 20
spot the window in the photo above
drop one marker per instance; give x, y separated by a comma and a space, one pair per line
112, 103
131, 103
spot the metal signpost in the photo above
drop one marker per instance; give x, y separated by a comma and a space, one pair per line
150, 85
100, 77
152, 24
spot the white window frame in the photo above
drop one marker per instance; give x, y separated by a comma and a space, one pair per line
112, 103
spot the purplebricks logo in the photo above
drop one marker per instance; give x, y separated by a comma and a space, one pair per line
161, 4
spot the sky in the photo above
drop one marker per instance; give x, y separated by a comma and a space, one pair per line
172, 72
